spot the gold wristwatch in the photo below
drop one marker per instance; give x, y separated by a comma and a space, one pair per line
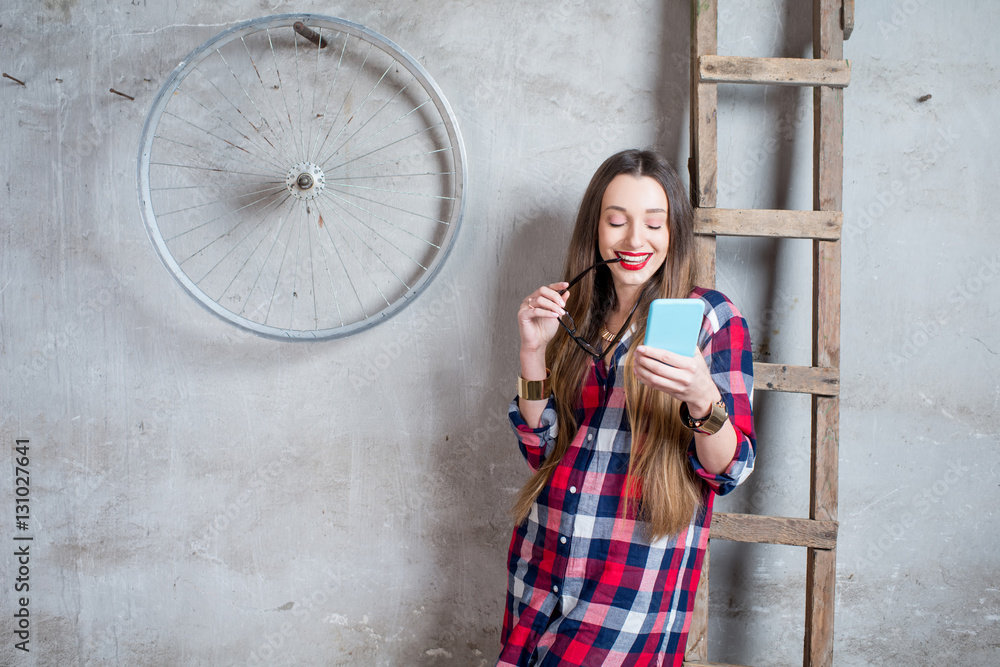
709, 425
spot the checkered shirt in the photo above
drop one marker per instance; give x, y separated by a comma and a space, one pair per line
586, 587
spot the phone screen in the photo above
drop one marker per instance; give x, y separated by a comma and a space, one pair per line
674, 325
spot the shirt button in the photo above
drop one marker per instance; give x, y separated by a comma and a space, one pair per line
562, 539
590, 436
555, 589
572, 489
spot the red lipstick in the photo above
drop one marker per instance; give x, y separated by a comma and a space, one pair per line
628, 263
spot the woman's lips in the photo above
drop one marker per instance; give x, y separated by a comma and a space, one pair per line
631, 262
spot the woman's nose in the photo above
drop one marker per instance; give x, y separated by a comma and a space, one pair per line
634, 237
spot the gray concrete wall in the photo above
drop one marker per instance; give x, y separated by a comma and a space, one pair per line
201, 496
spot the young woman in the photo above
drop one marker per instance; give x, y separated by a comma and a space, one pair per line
628, 444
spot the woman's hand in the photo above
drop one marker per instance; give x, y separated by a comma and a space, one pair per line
685, 378
538, 321
538, 317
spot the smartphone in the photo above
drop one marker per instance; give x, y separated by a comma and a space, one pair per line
674, 325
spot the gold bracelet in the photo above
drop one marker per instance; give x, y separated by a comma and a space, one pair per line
534, 390
709, 425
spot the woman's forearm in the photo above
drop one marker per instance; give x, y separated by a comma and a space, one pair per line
716, 451
532, 368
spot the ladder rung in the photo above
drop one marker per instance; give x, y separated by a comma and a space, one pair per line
822, 225
776, 71
811, 533
796, 379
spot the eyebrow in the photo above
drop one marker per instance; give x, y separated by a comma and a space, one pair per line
622, 209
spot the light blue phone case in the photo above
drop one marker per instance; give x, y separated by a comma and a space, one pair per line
674, 324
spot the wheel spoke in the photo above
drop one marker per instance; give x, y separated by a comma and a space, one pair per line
363, 265
219, 201
350, 280
267, 96
395, 192
213, 242
198, 151
264, 215
382, 148
384, 239
263, 121
281, 85
298, 91
379, 176
329, 93
214, 113
212, 169
347, 97
255, 248
373, 116
395, 208
224, 215
273, 161
277, 235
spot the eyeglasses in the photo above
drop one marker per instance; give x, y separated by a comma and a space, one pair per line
570, 326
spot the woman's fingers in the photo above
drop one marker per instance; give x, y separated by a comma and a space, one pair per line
552, 296
533, 308
665, 357
664, 366
666, 371
545, 302
660, 376
542, 302
686, 378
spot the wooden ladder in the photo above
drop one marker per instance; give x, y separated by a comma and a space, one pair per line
828, 74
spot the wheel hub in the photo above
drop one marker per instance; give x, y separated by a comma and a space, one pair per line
305, 180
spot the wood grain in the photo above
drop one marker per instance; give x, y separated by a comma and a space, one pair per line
796, 379
828, 183
774, 71
697, 641
704, 106
703, 167
774, 530
825, 225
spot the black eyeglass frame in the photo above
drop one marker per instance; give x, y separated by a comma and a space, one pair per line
571, 327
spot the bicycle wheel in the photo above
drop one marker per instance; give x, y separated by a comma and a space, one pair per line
301, 176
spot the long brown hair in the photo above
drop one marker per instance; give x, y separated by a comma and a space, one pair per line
661, 487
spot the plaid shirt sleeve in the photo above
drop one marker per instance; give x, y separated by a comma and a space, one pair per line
535, 443
725, 342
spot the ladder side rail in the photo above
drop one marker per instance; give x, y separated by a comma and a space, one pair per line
828, 182
703, 170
